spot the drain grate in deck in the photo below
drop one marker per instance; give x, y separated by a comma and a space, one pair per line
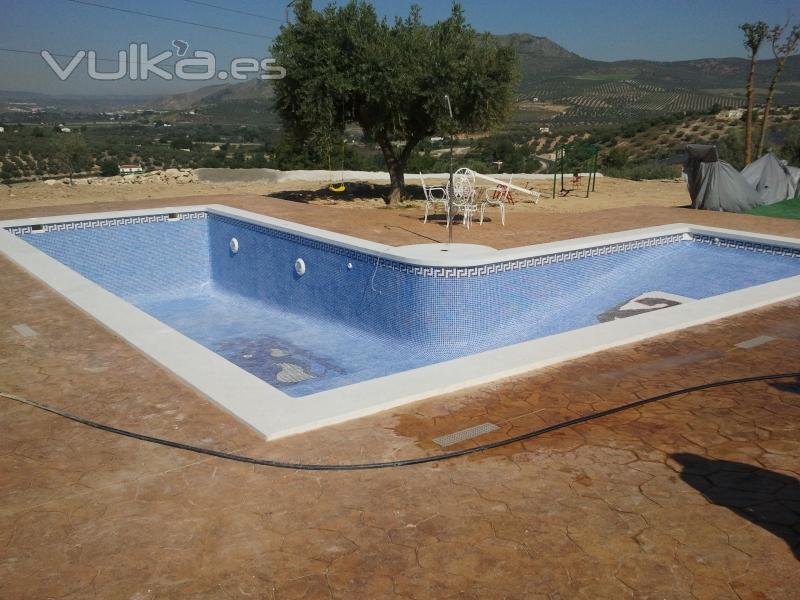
24, 330
465, 434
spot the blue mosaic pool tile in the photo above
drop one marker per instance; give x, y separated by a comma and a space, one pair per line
353, 316
132, 256
747, 246
112, 222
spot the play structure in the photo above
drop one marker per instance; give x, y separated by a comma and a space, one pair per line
577, 159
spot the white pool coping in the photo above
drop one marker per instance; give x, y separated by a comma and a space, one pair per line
275, 414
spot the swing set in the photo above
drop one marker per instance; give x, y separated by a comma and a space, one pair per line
582, 158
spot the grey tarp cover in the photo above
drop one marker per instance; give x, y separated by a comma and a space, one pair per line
715, 184
771, 179
794, 173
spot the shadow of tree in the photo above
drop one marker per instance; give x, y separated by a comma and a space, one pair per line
352, 191
768, 499
787, 386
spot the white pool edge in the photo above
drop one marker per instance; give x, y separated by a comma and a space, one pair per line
275, 414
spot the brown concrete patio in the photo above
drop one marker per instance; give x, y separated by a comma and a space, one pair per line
695, 497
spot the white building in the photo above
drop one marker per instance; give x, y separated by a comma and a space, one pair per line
2, 129
130, 169
544, 130
733, 114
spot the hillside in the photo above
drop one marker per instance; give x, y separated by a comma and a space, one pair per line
558, 89
561, 89
255, 89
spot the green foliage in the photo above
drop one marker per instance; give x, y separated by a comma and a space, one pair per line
72, 153
731, 148
578, 157
641, 171
790, 149
754, 35
345, 65
615, 158
516, 158
109, 168
181, 143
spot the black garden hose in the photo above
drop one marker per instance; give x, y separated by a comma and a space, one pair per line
398, 463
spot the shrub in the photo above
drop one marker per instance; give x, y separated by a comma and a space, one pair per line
109, 168
637, 172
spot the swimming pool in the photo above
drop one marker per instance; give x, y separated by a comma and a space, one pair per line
292, 327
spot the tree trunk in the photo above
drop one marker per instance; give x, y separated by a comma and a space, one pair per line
396, 172
748, 127
762, 139
398, 182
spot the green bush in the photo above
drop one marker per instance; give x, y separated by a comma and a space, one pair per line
109, 168
638, 172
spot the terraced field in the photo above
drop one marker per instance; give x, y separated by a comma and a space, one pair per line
592, 103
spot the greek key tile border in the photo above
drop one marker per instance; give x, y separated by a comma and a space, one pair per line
749, 246
114, 222
422, 270
454, 272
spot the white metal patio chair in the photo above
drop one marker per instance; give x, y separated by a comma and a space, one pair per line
498, 196
464, 193
434, 196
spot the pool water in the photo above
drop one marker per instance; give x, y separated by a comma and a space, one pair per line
352, 316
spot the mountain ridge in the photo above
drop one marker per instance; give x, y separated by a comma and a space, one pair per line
542, 60
549, 73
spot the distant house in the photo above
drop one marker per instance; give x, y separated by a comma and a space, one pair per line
65, 130
544, 130
130, 169
2, 129
733, 114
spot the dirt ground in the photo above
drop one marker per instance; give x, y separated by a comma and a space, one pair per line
695, 497
609, 193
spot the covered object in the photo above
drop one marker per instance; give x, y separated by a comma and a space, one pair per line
794, 173
771, 178
715, 184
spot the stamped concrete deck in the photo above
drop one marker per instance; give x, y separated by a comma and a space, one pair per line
695, 497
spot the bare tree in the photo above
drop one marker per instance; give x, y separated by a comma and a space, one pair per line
782, 47
754, 36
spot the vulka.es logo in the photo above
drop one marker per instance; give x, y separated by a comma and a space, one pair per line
136, 63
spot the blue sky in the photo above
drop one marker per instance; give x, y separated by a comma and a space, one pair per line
616, 30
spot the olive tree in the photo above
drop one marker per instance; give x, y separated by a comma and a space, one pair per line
346, 65
784, 44
72, 153
754, 36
